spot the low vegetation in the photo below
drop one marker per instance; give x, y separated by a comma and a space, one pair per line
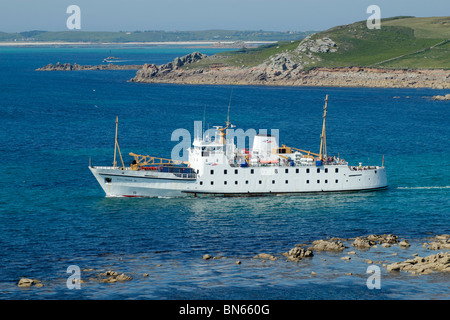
401, 43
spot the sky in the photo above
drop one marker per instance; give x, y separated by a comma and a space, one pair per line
172, 15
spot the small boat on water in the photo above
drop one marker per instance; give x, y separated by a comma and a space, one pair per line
216, 167
111, 59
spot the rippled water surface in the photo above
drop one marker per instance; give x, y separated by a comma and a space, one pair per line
53, 214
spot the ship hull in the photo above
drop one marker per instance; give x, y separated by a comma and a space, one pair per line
127, 183
226, 180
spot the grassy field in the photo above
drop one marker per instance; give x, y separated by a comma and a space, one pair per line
402, 42
255, 56
433, 27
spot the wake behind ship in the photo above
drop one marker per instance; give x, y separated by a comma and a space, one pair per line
217, 167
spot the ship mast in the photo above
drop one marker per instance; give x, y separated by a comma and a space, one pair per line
116, 147
222, 132
323, 136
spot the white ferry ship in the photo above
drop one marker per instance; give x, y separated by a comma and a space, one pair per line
216, 167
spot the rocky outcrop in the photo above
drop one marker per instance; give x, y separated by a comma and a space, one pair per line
322, 45
26, 282
282, 62
150, 72
75, 67
303, 55
113, 276
290, 68
297, 254
438, 97
327, 245
188, 59
438, 262
439, 242
281, 73
374, 239
265, 256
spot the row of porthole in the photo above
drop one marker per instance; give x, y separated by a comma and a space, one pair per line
252, 171
260, 182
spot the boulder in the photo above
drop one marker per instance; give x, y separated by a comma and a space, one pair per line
439, 97
26, 282
439, 242
439, 262
404, 244
123, 277
327, 245
109, 273
363, 243
113, 276
374, 239
297, 254
265, 256
150, 71
322, 45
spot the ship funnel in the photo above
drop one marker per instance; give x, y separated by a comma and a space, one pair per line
263, 145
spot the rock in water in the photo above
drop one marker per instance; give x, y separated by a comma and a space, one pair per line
438, 97
327, 245
265, 256
26, 282
439, 262
297, 254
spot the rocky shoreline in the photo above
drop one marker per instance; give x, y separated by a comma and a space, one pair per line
280, 70
320, 77
343, 252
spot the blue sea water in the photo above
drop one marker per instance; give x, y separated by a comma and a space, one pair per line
53, 214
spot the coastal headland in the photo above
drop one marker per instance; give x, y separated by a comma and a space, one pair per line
320, 76
407, 52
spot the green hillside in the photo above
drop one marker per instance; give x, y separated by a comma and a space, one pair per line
402, 42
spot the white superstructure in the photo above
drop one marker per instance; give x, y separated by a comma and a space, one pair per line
216, 167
